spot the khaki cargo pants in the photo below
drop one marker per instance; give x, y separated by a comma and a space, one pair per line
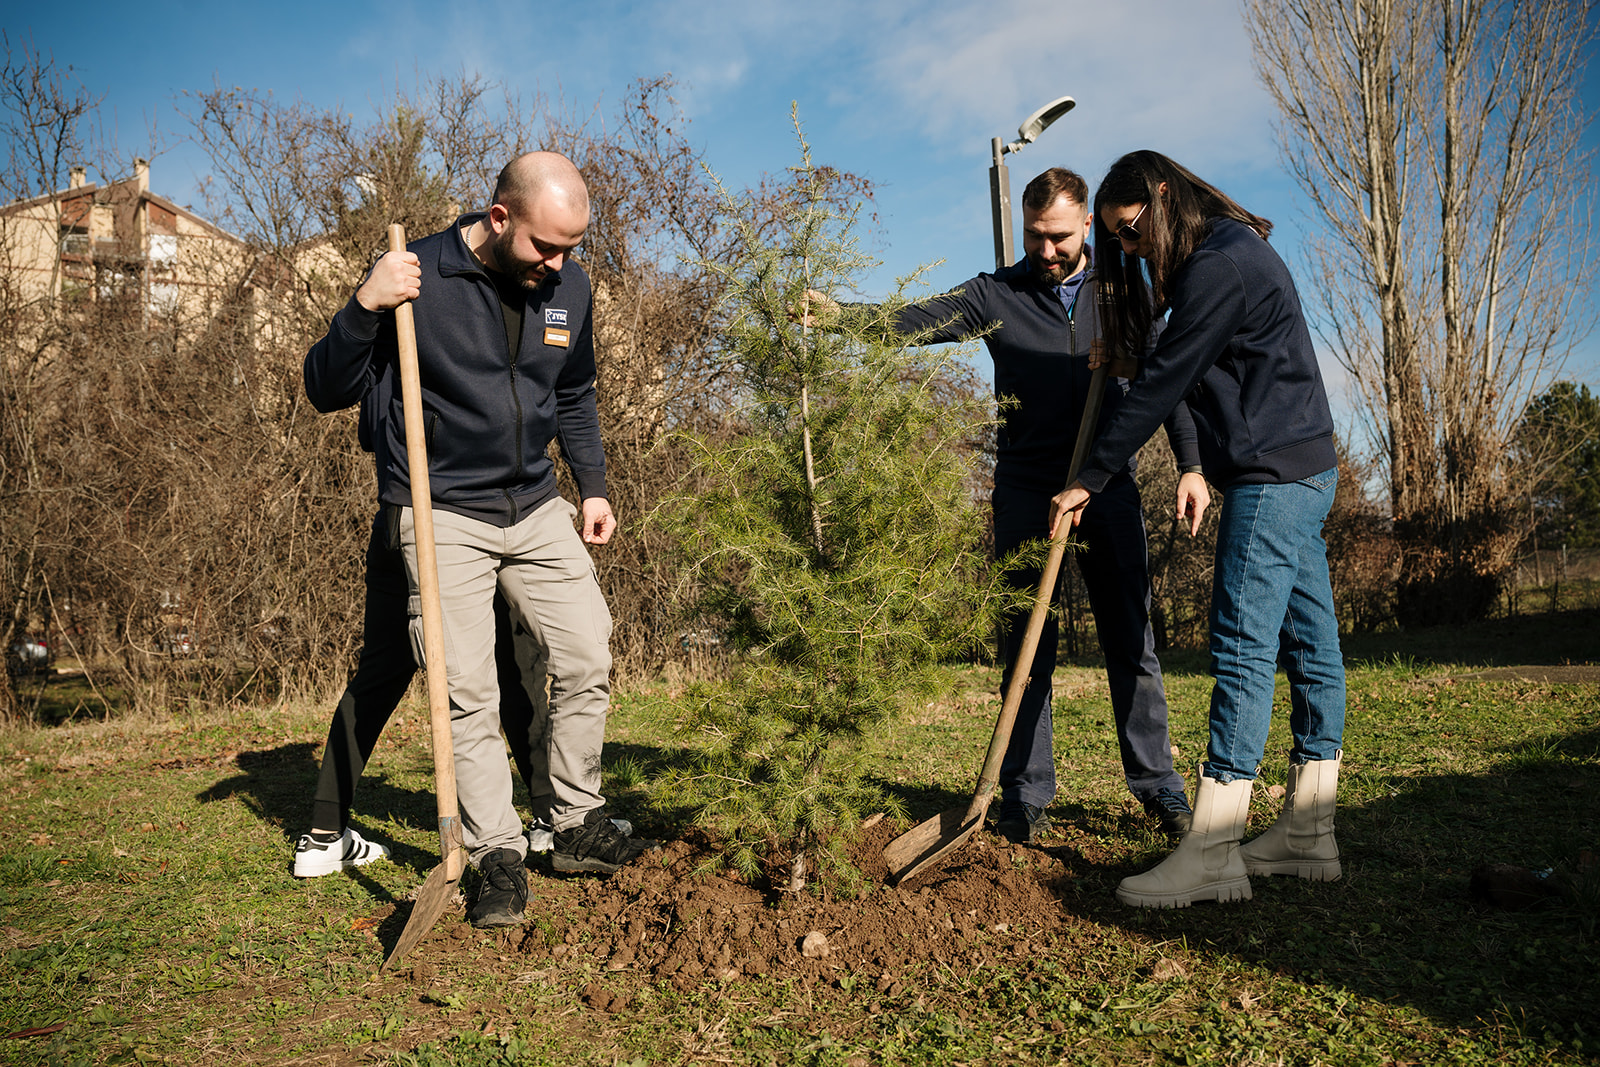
542, 568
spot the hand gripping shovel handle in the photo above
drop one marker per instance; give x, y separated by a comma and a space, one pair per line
438, 888
990, 775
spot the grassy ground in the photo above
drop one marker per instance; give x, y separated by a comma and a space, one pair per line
147, 913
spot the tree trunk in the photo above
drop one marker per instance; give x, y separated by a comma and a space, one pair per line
1440, 144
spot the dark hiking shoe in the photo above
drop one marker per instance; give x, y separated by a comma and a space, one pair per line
596, 847
542, 837
1172, 811
503, 893
1020, 823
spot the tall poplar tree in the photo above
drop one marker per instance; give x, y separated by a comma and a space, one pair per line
1439, 142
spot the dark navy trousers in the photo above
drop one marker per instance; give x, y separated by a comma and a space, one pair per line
1116, 573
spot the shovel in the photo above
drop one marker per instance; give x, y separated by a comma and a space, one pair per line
441, 882
932, 839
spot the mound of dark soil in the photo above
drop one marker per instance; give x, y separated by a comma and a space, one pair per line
659, 918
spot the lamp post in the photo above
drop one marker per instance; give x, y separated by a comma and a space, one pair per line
1000, 180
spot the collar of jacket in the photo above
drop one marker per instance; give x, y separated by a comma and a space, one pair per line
455, 258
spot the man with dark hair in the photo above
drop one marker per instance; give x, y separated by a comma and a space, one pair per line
1044, 313
506, 359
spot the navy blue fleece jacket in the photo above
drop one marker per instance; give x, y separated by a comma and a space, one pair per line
1040, 355
488, 417
1237, 349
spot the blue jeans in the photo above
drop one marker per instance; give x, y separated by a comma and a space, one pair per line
1272, 605
1116, 575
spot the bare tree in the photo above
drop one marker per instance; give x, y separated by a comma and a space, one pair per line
1439, 144
46, 117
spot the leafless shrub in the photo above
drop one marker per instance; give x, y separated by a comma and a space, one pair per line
175, 511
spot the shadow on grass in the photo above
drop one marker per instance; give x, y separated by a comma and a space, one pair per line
57, 698
1555, 638
277, 784
1400, 926
1562, 637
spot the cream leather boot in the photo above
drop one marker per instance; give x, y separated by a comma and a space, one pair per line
1206, 864
1301, 842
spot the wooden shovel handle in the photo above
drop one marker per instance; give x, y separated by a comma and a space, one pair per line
989, 777
444, 762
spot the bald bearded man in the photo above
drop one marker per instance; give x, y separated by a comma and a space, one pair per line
506, 358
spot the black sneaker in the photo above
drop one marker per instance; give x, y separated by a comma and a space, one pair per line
503, 893
596, 847
1172, 811
1020, 823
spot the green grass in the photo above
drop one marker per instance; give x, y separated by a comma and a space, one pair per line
146, 905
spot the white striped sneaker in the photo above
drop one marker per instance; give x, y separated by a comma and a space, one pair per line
542, 836
313, 858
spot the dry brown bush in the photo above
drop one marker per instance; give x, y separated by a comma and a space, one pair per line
1363, 557
174, 512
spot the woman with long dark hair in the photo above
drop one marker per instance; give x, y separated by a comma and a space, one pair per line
1237, 348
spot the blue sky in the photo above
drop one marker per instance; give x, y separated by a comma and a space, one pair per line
905, 92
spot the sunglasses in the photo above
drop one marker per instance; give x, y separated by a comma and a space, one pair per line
1128, 231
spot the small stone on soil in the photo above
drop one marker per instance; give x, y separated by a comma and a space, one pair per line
814, 946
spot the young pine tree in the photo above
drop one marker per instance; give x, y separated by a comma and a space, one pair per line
834, 535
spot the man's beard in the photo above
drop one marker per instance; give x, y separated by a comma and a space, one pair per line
1054, 273
507, 262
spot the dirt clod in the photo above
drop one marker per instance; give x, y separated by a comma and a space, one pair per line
602, 999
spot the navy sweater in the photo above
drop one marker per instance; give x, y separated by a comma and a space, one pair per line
1040, 365
488, 418
1236, 347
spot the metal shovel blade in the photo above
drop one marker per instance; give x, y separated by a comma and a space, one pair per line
930, 841
432, 899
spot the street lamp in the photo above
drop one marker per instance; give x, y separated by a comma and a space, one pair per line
1000, 180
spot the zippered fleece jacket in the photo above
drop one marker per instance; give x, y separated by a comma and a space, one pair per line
488, 416
1237, 349
1041, 370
